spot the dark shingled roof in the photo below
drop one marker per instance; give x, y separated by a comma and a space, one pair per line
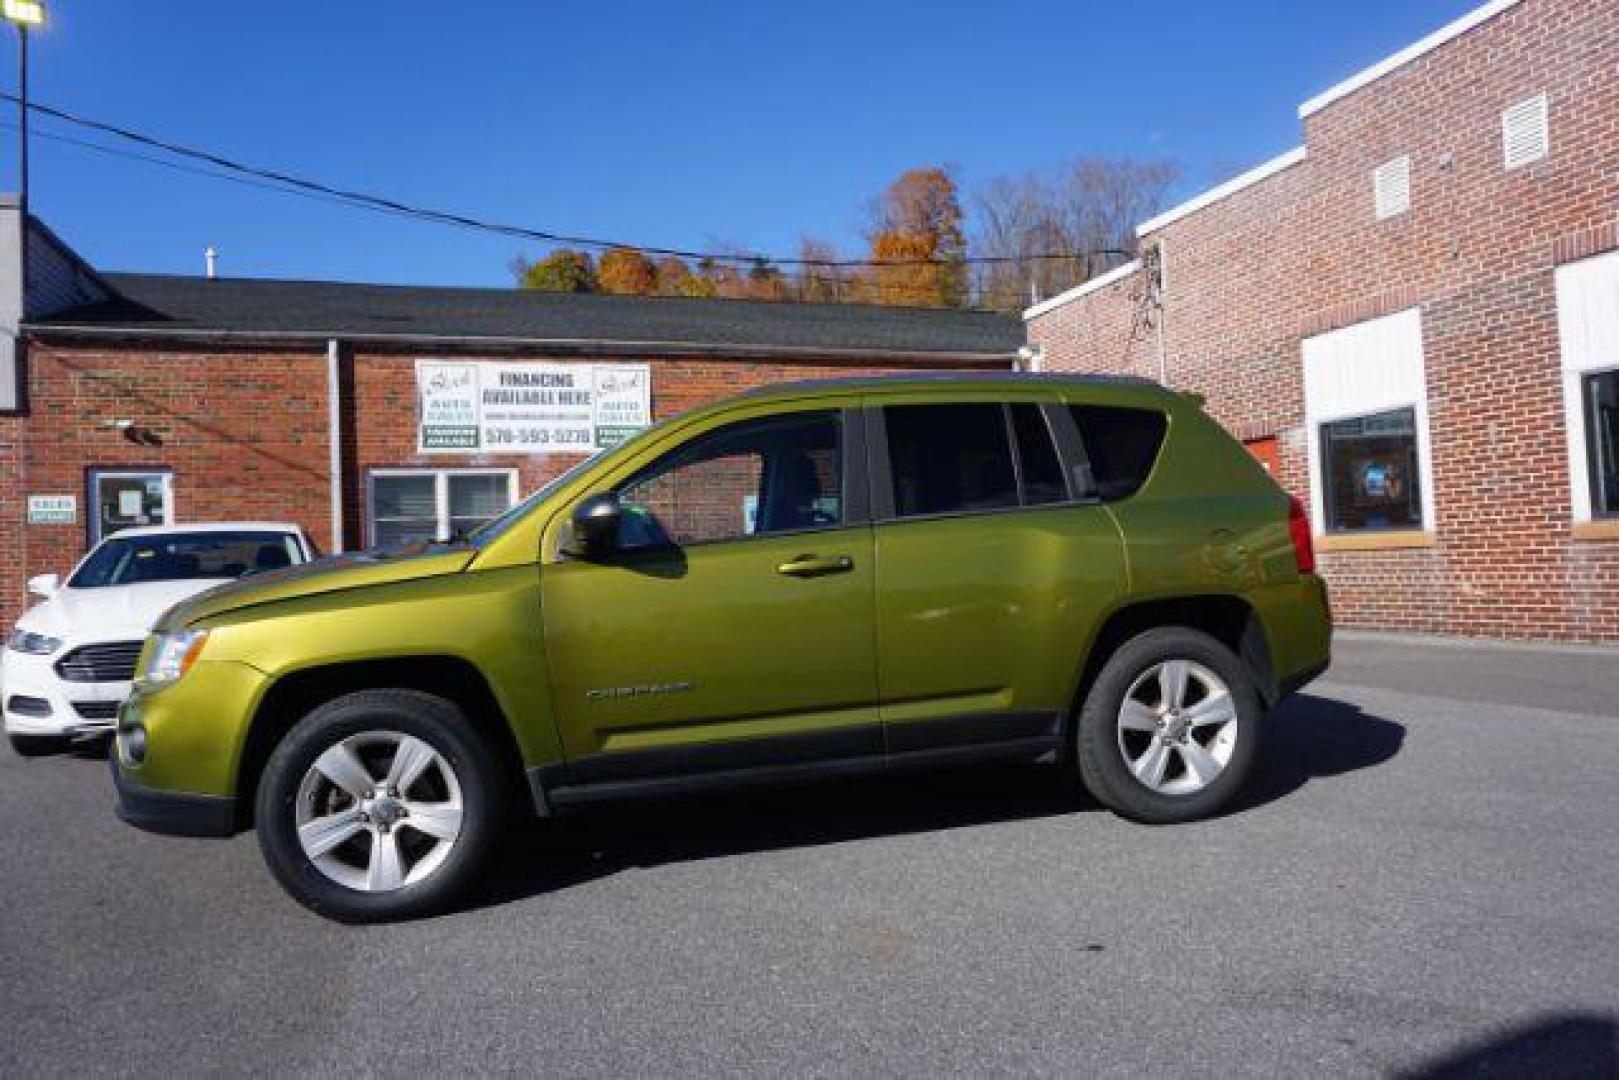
162, 305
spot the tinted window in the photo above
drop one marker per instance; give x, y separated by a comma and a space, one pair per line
1602, 431
1037, 457
949, 458
1369, 464
782, 474
134, 560
1122, 445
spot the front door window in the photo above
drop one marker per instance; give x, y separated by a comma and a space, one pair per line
123, 500
755, 478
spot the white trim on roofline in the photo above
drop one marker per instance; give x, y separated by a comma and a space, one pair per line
1118, 273
1406, 55
1230, 187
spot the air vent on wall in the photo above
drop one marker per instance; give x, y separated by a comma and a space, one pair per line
1525, 134
1391, 187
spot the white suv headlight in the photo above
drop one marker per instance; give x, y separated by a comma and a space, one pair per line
26, 641
171, 655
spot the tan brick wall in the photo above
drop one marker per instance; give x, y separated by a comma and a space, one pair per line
1301, 253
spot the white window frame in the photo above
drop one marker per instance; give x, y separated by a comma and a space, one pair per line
1371, 367
93, 481
1588, 333
441, 494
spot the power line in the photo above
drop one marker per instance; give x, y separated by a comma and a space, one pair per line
277, 180
911, 290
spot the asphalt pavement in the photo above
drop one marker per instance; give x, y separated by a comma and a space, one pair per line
1424, 880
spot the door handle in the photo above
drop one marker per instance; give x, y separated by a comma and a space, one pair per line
815, 566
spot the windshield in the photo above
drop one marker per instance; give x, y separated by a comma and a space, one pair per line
135, 560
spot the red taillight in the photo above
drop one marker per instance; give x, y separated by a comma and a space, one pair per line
1298, 526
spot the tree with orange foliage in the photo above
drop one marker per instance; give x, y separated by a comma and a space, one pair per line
627, 272
916, 230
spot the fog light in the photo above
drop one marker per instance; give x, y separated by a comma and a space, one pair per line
132, 743
23, 705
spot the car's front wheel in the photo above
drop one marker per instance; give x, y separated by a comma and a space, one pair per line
378, 805
1170, 727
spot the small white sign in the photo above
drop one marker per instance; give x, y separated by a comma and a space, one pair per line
53, 509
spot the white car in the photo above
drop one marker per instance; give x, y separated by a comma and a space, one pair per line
69, 661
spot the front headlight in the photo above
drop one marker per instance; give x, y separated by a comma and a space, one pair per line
26, 641
171, 655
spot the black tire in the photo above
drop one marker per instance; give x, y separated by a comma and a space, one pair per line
445, 729
32, 746
1103, 767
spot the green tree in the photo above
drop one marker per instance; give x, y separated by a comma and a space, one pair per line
564, 270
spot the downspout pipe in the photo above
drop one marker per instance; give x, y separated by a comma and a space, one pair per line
334, 433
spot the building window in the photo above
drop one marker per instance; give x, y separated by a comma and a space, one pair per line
1391, 188
1366, 411
1526, 131
1602, 436
127, 498
411, 505
777, 475
1588, 331
1369, 468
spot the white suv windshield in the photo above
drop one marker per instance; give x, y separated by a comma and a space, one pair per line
133, 560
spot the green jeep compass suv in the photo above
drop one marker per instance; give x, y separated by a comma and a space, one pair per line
828, 577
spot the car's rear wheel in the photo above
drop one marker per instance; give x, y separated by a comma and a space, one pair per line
1170, 727
31, 746
379, 805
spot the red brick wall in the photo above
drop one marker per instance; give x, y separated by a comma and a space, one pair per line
1301, 252
244, 432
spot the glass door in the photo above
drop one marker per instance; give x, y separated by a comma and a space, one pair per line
123, 499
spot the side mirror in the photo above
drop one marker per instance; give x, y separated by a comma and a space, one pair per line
45, 585
595, 525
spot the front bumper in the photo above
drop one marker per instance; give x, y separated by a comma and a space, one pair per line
33, 680
172, 813
178, 748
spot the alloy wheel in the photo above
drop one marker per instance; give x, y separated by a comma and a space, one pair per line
378, 811
1177, 727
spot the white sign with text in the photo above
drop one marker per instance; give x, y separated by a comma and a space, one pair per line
483, 407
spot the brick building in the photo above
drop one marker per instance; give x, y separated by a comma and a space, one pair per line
1413, 318
129, 398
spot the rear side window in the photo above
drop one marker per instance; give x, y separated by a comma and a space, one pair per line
1038, 464
1122, 445
949, 459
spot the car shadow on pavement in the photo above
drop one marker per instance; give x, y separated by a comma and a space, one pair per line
1310, 737
1307, 738
1570, 1045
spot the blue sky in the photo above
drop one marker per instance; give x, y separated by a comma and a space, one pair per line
677, 125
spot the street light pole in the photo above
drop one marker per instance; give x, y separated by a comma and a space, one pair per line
22, 14
22, 122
